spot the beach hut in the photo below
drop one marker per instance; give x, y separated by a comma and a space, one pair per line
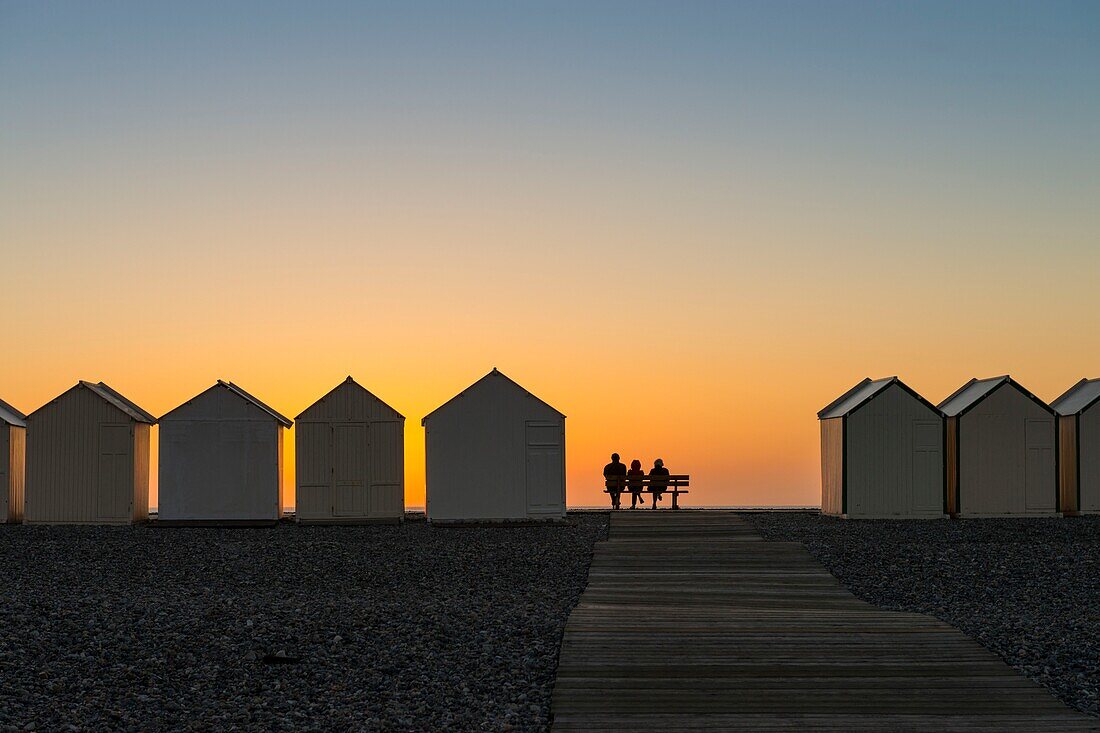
13, 440
221, 459
494, 452
1001, 457
882, 453
1079, 447
88, 459
349, 459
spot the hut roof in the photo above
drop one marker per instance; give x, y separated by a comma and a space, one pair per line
118, 400
970, 394
1078, 398
346, 382
496, 373
862, 393
284, 421
854, 397
230, 387
111, 397
976, 390
12, 416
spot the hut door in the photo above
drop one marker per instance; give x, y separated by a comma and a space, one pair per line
112, 481
349, 469
386, 468
314, 470
544, 468
1040, 480
926, 494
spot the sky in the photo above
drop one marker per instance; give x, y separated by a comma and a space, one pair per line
688, 226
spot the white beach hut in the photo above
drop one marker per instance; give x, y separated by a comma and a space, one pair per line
1001, 457
88, 459
495, 452
13, 441
221, 459
882, 453
1079, 447
350, 459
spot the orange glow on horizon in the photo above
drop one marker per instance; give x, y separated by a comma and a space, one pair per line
745, 431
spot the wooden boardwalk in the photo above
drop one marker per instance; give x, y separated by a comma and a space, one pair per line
691, 622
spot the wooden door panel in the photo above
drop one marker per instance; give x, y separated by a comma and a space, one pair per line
113, 482
927, 466
350, 451
1039, 475
544, 467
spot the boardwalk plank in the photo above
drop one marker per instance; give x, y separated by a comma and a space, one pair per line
691, 622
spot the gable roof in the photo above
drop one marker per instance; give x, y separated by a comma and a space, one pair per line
229, 386
111, 397
496, 373
284, 421
115, 398
12, 416
863, 393
976, 390
1078, 398
854, 397
345, 383
969, 395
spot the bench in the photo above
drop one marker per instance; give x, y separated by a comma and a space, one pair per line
674, 484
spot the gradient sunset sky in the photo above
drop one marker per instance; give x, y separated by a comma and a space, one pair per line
688, 226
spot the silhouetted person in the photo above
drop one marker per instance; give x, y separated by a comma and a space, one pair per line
634, 482
614, 475
657, 482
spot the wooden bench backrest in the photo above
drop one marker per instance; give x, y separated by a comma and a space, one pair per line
676, 479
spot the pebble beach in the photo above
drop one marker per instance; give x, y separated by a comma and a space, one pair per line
415, 628
395, 628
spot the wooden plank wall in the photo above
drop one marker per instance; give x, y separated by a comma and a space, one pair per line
383, 467
7, 488
63, 460
832, 465
1067, 464
17, 471
1088, 460
952, 465
691, 622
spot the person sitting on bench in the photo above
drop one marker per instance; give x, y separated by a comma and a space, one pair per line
634, 483
614, 474
657, 483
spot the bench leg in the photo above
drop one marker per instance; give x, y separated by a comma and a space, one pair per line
675, 496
